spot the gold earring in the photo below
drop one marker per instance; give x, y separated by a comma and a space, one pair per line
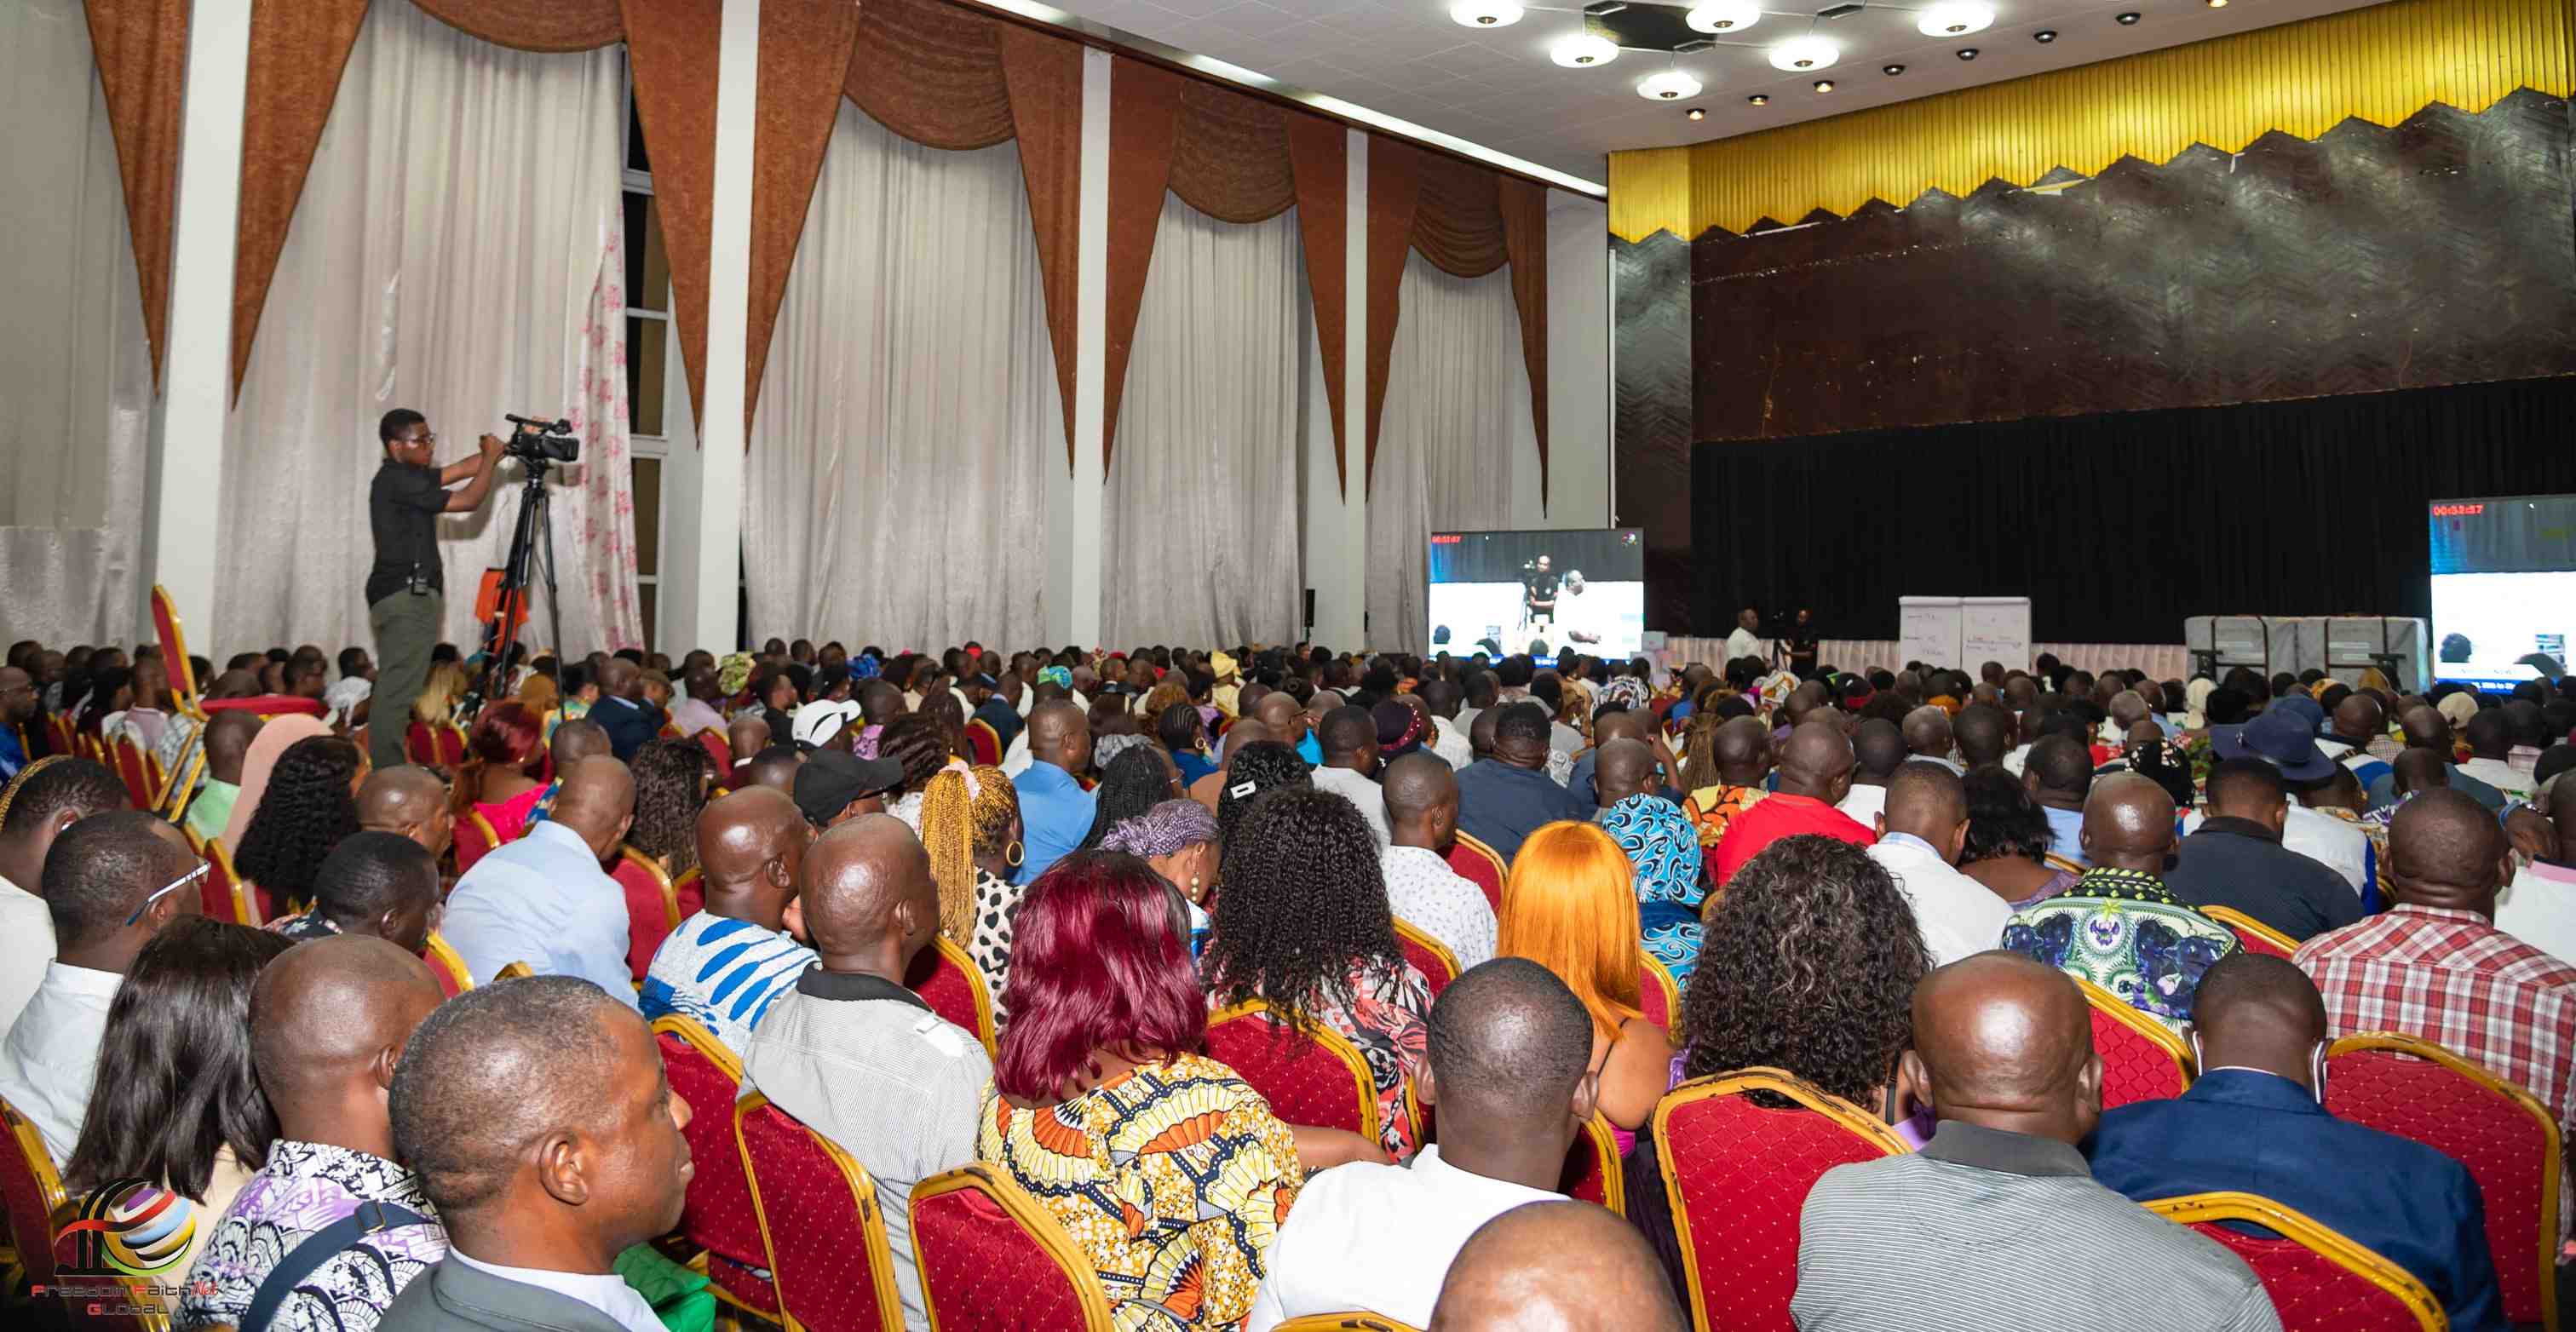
1014, 855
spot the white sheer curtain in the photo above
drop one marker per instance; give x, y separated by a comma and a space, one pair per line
456, 250
75, 373
895, 492
1200, 518
1457, 408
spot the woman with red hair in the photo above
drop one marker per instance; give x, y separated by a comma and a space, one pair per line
1168, 1170
503, 758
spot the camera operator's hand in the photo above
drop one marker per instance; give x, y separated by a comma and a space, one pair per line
491, 446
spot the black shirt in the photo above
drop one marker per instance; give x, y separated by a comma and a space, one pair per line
1541, 586
2240, 864
403, 507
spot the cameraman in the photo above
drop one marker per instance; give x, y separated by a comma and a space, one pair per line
406, 588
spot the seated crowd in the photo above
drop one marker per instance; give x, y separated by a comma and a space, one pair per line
397, 1035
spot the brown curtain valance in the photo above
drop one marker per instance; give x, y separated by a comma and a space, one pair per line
1045, 78
1230, 155
537, 25
141, 48
1524, 210
1394, 195
1319, 154
931, 72
1458, 223
805, 56
298, 51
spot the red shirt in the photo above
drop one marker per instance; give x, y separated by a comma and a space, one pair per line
1783, 815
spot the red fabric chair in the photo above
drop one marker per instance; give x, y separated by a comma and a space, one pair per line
173, 637
828, 1252
475, 839
266, 705
225, 895
32, 1198
419, 746
1429, 956
454, 977
718, 750
719, 1215
2319, 1280
984, 741
691, 889
2142, 1060
449, 742
1737, 1174
2505, 1136
993, 1260
132, 770
2254, 934
1593, 1173
1478, 864
652, 907
950, 982
1318, 1079
1657, 993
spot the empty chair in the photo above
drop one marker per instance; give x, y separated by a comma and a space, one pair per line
993, 1260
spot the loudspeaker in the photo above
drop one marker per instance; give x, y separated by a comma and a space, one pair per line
1310, 608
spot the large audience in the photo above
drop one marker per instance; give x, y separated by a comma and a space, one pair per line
389, 1032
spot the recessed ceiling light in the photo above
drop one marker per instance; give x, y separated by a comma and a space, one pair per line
1669, 85
1723, 15
1824, 85
1697, 113
1891, 70
1485, 13
2044, 36
1585, 52
1967, 53
2128, 19
1804, 53
2215, 4
1955, 18
1759, 99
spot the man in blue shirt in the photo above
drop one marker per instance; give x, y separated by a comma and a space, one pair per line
2059, 775
2253, 1124
1055, 812
543, 899
1503, 799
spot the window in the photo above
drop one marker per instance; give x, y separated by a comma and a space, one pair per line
649, 360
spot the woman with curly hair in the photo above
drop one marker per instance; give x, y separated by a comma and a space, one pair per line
504, 757
1257, 768
670, 788
970, 824
1139, 778
2008, 840
914, 740
310, 804
1301, 922
1569, 906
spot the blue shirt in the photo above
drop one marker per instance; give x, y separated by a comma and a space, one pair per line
1055, 815
12, 755
1501, 805
2066, 830
1311, 750
1193, 766
722, 973
542, 900
2239, 1129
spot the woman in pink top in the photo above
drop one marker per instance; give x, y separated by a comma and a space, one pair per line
504, 756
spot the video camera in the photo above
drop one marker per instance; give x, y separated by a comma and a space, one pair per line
541, 444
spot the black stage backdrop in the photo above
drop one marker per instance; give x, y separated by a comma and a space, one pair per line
2118, 526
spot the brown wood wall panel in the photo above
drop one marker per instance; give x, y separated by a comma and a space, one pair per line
1651, 421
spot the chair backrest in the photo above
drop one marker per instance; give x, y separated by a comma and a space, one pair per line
993, 1260
449, 740
1657, 993
1354, 1321
2506, 1137
1593, 1173
131, 771
419, 746
1737, 1175
691, 890
1478, 864
1432, 958
174, 645
2142, 1060
226, 896
984, 740
2319, 1279
181, 791
950, 982
454, 977
30, 1191
475, 839
828, 1252
718, 1216
718, 750
652, 906
2256, 936
514, 971
1319, 1078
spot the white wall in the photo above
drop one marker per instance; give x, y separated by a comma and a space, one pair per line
1578, 361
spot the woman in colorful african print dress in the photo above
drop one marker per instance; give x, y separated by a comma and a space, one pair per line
1168, 1170
1664, 852
1301, 922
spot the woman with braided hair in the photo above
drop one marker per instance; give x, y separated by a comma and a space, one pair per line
670, 788
1177, 838
1139, 778
970, 824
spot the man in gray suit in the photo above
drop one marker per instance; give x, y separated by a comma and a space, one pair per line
537, 1117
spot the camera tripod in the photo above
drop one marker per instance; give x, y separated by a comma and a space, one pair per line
532, 541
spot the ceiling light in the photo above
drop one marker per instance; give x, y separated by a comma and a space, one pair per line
2044, 36
1955, 18
1891, 70
1584, 52
1485, 13
1697, 113
1724, 15
1759, 99
1967, 53
1824, 85
1669, 85
1804, 53
2128, 19
2216, 4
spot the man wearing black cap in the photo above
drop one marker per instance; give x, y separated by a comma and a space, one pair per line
833, 788
2235, 858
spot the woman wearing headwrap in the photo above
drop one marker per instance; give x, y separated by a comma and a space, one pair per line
1664, 851
1400, 729
2195, 703
1177, 838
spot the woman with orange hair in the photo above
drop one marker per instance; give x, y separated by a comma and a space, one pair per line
1568, 906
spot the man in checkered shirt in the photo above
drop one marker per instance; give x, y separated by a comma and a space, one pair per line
2436, 967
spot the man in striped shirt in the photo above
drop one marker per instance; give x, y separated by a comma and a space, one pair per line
724, 966
1997, 1222
2435, 966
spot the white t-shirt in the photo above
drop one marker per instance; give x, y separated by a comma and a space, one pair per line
1359, 791
1379, 1238
1864, 804
29, 929
1742, 643
1960, 917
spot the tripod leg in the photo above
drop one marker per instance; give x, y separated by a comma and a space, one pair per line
546, 549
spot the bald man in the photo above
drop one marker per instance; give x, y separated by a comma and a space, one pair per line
1556, 1267
2058, 773
2155, 950
1279, 711
1632, 724
544, 900
2436, 965
1921, 832
328, 1021
746, 736
1510, 1051
408, 801
1815, 774
1245, 731
2427, 729
853, 1054
622, 710
1998, 1216
2254, 1123
724, 966
1421, 889
228, 738
1055, 810
2357, 737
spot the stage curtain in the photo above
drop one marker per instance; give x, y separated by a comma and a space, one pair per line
804, 61
1230, 154
1144, 115
76, 365
141, 49
1523, 205
2119, 526
1319, 156
1458, 396
1200, 542
895, 485
458, 250
932, 72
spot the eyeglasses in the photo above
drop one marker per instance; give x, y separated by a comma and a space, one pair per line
173, 886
